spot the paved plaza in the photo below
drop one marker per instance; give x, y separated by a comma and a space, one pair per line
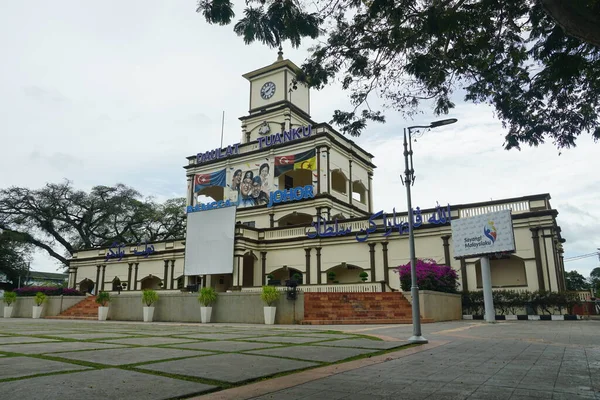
55, 359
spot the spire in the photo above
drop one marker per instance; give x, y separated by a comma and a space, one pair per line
280, 54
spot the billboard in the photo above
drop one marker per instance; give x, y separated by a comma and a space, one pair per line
484, 234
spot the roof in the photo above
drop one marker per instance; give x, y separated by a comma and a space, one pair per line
39, 275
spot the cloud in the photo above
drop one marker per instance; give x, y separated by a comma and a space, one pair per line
44, 95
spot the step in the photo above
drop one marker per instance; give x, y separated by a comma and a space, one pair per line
73, 317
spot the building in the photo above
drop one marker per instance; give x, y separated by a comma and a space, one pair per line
302, 195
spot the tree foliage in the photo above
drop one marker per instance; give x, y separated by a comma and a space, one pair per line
61, 219
575, 281
530, 60
14, 256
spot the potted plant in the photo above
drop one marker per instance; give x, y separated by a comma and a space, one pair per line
9, 298
103, 299
331, 275
363, 276
297, 277
149, 297
39, 299
206, 297
270, 277
269, 295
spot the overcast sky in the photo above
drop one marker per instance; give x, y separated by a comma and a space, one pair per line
122, 91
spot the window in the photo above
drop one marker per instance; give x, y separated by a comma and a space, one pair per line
251, 224
338, 181
359, 192
289, 182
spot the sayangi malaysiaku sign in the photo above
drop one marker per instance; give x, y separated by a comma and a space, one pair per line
483, 234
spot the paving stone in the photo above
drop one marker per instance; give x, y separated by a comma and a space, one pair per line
17, 367
148, 341
23, 339
128, 355
225, 346
90, 335
365, 343
216, 336
231, 367
53, 347
103, 384
313, 353
287, 339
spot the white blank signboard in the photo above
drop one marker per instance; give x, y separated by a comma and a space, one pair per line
483, 234
209, 242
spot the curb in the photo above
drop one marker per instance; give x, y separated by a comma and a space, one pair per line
566, 317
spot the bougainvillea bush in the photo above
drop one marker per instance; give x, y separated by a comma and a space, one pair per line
430, 276
47, 290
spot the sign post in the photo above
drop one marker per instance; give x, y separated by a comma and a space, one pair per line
480, 236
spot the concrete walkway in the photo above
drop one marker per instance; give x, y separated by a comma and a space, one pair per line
50, 359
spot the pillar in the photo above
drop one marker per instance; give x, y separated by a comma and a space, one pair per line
318, 265
135, 278
370, 192
129, 276
386, 267
166, 275
328, 169
446, 245
307, 280
538, 257
486, 282
350, 182
372, 258
272, 220
318, 170
103, 275
463, 275
172, 274
97, 285
263, 267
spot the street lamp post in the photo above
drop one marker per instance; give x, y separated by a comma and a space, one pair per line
409, 180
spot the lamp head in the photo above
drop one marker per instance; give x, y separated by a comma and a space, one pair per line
443, 122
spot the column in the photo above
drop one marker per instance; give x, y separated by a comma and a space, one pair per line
386, 267
463, 275
129, 276
172, 274
350, 182
538, 257
307, 280
370, 192
263, 267
97, 285
319, 265
103, 275
446, 245
272, 220
166, 274
72, 277
328, 170
318, 170
238, 270
372, 258
135, 278
190, 185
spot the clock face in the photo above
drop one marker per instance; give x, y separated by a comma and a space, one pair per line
267, 91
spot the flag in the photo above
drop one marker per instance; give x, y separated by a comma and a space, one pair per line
305, 160
202, 181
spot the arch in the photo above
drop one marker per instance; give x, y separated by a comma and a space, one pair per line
359, 192
150, 282
285, 273
216, 193
116, 284
295, 218
339, 181
248, 271
337, 216
506, 271
295, 178
345, 273
86, 286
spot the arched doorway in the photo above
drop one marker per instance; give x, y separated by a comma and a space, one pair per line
116, 284
295, 218
151, 282
345, 273
248, 274
86, 286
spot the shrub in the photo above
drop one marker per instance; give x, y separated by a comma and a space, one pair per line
269, 295
363, 276
103, 298
149, 297
47, 290
430, 276
40, 298
207, 296
331, 275
513, 302
9, 298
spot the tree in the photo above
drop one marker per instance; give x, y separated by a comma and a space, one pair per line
14, 257
60, 219
595, 280
535, 62
575, 281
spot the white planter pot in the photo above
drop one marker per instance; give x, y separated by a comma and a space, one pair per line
148, 314
102, 313
205, 313
8, 311
270, 315
37, 311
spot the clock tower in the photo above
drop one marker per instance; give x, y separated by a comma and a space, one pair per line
277, 100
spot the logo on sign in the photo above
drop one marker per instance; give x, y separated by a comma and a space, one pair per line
489, 230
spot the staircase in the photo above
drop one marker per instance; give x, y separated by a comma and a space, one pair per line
85, 309
357, 308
